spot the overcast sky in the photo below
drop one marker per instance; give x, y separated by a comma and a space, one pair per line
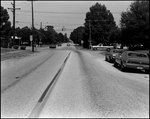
70, 14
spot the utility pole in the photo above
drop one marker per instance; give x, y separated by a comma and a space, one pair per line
41, 25
89, 34
32, 26
13, 10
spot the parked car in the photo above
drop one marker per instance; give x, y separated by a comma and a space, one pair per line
111, 54
15, 46
52, 46
133, 60
23, 47
68, 44
59, 44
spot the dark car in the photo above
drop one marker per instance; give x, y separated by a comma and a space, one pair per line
59, 44
52, 46
133, 60
68, 44
111, 54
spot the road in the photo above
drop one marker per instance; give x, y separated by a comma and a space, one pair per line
87, 86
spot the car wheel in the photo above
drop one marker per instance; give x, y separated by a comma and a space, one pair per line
106, 58
110, 60
115, 64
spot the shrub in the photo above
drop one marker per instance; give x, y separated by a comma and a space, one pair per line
4, 44
15, 46
23, 47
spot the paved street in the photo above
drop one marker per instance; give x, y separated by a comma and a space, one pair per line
87, 86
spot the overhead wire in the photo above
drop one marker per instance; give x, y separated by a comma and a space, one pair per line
62, 12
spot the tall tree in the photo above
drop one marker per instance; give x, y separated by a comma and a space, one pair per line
60, 37
100, 21
5, 26
135, 24
77, 35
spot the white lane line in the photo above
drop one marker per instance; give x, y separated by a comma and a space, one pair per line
44, 97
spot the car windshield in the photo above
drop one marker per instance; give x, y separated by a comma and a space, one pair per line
137, 55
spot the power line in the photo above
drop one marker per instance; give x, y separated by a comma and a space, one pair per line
58, 12
23, 13
27, 4
69, 24
64, 12
55, 16
20, 3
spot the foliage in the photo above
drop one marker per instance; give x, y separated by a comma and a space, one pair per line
60, 37
40, 35
115, 35
101, 21
5, 26
76, 35
66, 39
135, 24
24, 33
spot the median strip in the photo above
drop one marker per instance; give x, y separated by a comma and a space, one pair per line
44, 97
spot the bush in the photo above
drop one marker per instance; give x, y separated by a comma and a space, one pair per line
4, 44
23, 47
15, 46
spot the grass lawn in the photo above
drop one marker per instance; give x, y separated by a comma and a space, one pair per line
3, 50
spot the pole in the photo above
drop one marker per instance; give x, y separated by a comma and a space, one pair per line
41, 25
13, 22
32, 26
89, 34
13, 10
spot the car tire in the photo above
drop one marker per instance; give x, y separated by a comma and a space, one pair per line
106, 58
111, 61
115, 64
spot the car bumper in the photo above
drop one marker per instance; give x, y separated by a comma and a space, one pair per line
139, 67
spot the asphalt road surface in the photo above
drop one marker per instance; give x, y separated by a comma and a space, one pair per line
87, 86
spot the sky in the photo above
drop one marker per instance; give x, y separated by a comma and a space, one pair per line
68, 14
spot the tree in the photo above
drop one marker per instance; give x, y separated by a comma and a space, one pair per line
60, 37
135, 24
115, 35
5, 27
100, 21
77, 35
66, 39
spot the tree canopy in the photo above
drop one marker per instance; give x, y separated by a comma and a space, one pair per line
135, 24
5, 25
101, 22
76, 35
